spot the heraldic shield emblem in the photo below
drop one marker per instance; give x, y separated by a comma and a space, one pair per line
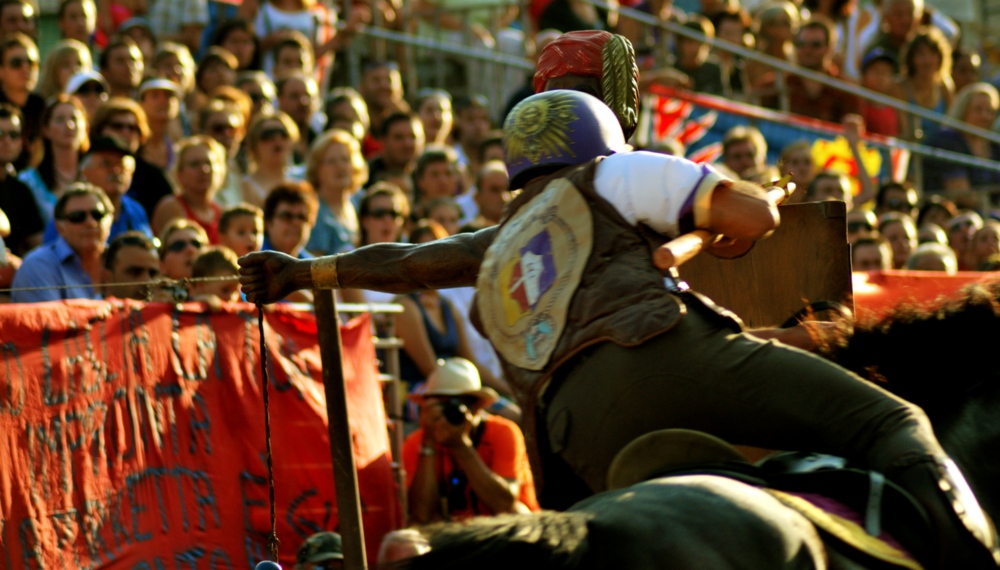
530, 273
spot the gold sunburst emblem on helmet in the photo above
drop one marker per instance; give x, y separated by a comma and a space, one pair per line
540, 127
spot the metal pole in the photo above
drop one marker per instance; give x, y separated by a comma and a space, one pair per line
345, 474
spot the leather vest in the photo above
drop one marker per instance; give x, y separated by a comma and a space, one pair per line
621, 297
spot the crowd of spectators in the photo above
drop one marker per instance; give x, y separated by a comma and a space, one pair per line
165, 138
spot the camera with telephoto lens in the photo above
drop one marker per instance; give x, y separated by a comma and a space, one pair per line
454, 411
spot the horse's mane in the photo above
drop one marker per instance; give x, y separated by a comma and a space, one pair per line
931, 355
541, 540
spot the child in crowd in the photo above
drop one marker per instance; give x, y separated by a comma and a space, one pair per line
241, 228
878, 71
216, 261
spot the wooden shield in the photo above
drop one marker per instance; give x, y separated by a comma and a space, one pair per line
807, 259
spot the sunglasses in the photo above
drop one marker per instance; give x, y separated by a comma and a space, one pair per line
79, 216
117, 126
12, 135
220, 128
18, 62
855, 227
271, 134
290, 217
91, 89
384, 212
182, 244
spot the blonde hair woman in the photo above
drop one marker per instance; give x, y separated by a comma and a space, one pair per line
199, 171
336, 169
67, 58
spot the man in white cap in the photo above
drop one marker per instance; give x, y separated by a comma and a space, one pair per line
90, 88
462, 461
160, 99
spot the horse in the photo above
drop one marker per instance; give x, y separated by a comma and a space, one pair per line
708, 521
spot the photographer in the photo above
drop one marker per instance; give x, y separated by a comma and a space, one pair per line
463, 461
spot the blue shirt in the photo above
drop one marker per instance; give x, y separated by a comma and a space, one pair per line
132, 217
268, 247
49, 265
44, 197
329, 236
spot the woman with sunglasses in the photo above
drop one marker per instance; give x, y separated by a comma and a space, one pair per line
180, 243
289, 215
64, 140
18, 79
337, 170
199, 170
269, 145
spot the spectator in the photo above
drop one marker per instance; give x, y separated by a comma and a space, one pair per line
293, 54
462, 462
66, 59
346, 110
259, 87
402, 544
161, 100
18, 16
796, 161
933, 257
141, 32
109, 165
898, 229
238, 37
831, 185
434, 108
91, 89
445, 212
382, 88
313, 20
73, 262
870, 254
173, 61
125, 120
775, 28
897, 197
986, 243
936, 210
491, 196
200, 170
926, 80
337, 170
861, 224
219, 262
269, 150
289, 215
241, 228
180, 243
130, 263
382, 213
298, 97
932, 233
975, 105
18, 79
966, 68
704, 71
744, 152
402, 142
224, 123
179, 21
216, 68
77, 20
878, 72
321, 551
472, 127
733, 25
122, 66
16, 199
961, 229
436, 176
64, 140
814, 50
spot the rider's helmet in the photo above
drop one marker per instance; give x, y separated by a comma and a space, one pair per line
550, 130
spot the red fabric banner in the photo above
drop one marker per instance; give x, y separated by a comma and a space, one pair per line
878, 292
132, 436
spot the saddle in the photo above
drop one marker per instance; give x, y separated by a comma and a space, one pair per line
871, 518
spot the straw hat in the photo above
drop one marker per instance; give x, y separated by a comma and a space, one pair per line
456, 377
659, 451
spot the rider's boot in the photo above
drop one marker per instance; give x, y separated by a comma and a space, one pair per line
965, 533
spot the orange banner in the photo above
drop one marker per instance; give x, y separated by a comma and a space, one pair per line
132, 436
877, 292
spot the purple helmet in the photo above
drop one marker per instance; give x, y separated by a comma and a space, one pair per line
557, 128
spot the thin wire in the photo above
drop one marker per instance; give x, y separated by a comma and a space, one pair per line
272, 540
158, 283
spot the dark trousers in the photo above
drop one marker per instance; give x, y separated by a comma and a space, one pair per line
703, 375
